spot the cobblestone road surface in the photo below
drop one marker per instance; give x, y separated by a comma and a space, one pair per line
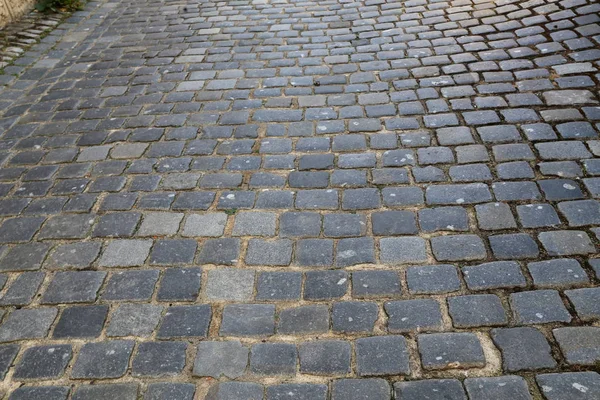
278, 199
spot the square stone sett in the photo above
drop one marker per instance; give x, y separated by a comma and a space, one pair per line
495, 216
352, 142
443, 219
230, 284
193, 201
211, 224
128, 151
470, 173
435, 155
236, 200
387, 176
450, 350
361, 199
539, 307
159, 359
413, 315
102, 360
173, 251
458, 248
497, 388
31, 189
297, 391
117, 224
494, 275
398, 158
180, 284
107, 184
254, 224
73, 287
125, 253
134, 320
23, 289
248, 320
310, 319
344, 225
470, 193
402, 250
315, 161
586, 302
216, 359
515, 170
355, 251
570, 385
278, 199
279, 286
67, 227
142, 183
375, 284
516, 191
382, 355
94, 153
121, 391
557, 273
20, 229
537, 215
579, 345
402, 196
356, 389
185, 321
235, 391
325, 357
561, 189
273, 359
80, 322
354, 316
170, 391
43, 362
523, 349
221, 181
513, 246
273, 253
266, 180
471, 153
314, 252
388, 223
318, 199
432, 279
40, 393
476, 310
321, 285
581, 212
224, 251
308, 180
566, 243
160, 224
131, 285
80, 203
118, 202
299, 224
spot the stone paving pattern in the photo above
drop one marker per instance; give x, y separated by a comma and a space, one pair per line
275, 199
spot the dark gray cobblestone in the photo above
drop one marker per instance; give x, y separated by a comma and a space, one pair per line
274, 199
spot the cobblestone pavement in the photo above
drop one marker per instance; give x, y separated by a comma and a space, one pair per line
277, 199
